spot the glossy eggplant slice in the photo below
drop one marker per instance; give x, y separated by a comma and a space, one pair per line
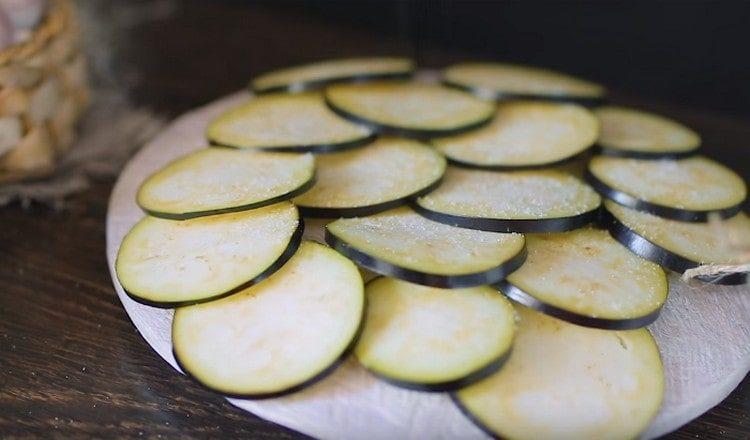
587, 278
368, 180
402, 244
517, 201
680, 246
565, 381
633, 133
322, 73
513, 82
688, 189
278, 336
432, 339
524, 135
168, 263
408, 108
216, 181
286, 123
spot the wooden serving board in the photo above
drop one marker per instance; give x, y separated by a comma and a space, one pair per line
703, 335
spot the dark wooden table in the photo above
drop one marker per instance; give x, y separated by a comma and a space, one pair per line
72, 364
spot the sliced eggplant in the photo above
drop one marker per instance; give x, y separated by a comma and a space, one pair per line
402, 244
524, 135
168, 263
432, 339
513, 82
517, 201
286, 123
633, 133
216, 181
680, 246
688, 189
576, 166
315, 230
564, 381
278, 336
587, 278
409, 109
368, 180
322, 73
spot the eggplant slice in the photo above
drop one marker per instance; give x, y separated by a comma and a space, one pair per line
680, 246
564, 381
402, 244
517, 201
322, 73
431, 339
587, 278
501, 82
368, 180
410, 109
524, 135
216, 181
688, 189
286, 123
168, 263
641, 135
278, 336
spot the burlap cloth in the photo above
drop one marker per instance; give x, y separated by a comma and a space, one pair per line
110, 132
113, 128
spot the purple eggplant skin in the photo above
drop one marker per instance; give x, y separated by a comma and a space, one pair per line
385, 268
309, 148
644, 248
644, 155
311, 381
453, 385
291, 248
465, 411
194, 214
684, 215
363, 211
392, 130
559, 224
520, 296
300, 87
585, 101
584, 155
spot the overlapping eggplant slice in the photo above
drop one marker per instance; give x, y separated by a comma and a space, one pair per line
402, 244
436, 322
587, 278
372, 179
410, 109
680, 246
216, 181
168, 263
517, 201
633, 133
524, 135
278, 336
432, 339
688, 189
322, 73
291, 123
514, 82
565, 381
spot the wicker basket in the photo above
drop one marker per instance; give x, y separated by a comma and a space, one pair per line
43, 93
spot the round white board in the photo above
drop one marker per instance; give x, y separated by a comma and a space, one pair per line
703, 335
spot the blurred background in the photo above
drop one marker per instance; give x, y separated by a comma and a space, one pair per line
687, 53
150, 60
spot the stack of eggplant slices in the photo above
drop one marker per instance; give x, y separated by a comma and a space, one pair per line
518, 227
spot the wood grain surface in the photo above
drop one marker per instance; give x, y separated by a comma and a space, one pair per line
72, 364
